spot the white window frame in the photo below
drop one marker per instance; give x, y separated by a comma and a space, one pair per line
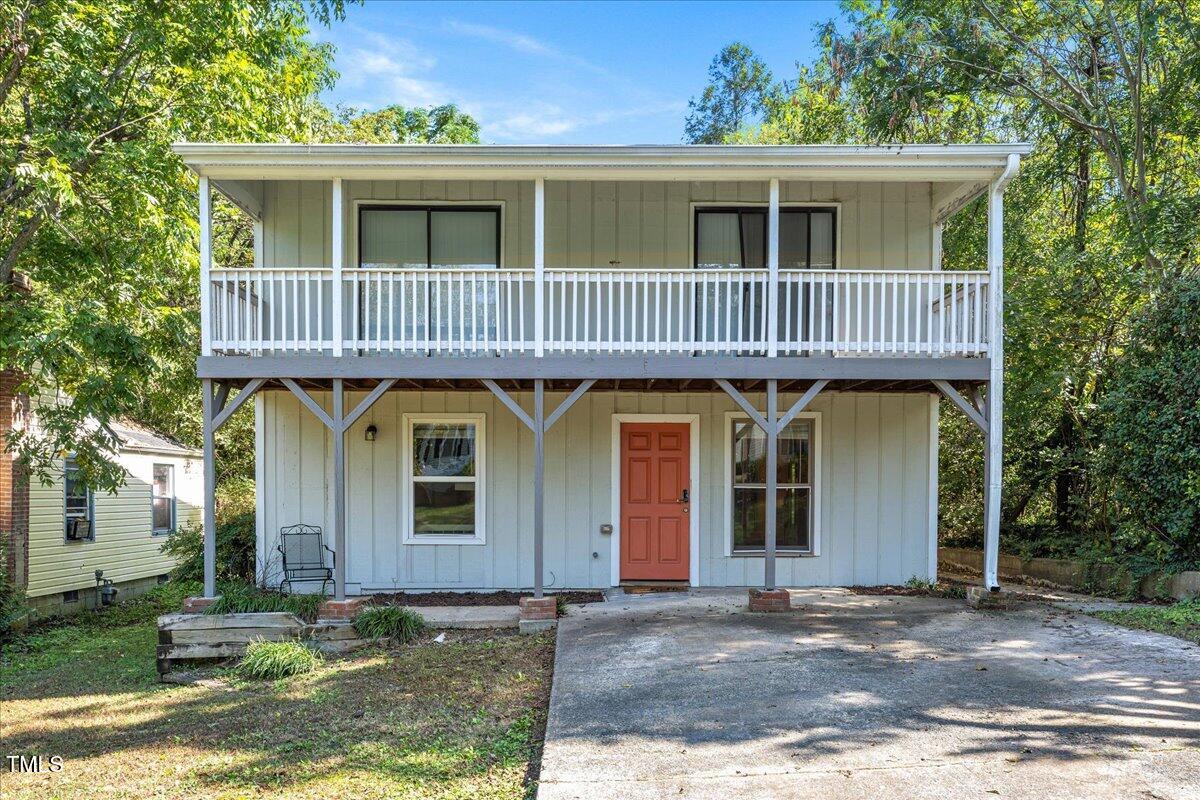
834, 205
499, 204
90, 516
409, 537
814, 470
172, 497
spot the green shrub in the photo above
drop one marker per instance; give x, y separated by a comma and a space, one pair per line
1152, 433
923, 584
236, 538
274, 660
246, 598
400, 624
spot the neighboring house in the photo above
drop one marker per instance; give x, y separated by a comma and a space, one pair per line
58, 535
416, 314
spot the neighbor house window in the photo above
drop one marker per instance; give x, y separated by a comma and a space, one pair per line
445, 471
163, 502
794, 500
78, 505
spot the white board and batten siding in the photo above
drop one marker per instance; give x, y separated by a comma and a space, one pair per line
125, 546
874, 479
641, 224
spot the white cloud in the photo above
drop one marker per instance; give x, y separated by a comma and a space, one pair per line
517, 41
388, 71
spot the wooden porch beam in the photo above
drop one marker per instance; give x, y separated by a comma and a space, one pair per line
311, 404
966, 407
245, 394
801, 404
366, 403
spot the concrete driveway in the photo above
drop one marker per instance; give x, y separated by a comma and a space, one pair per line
687, 696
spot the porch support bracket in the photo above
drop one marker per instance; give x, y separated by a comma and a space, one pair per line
974, 414
224, 412
539, 423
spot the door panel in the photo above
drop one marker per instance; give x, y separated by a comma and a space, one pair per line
655, 474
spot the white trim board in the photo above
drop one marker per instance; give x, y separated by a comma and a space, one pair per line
693, 421
407, 537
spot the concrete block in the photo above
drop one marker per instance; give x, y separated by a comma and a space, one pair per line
536, 625
985, 600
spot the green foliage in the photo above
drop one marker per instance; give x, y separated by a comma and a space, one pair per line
922, 584
395, 622
1151, 438
94, 94
12, 601
1180, 619
399, 125
246, 598
276, 660
235, 538
739, 84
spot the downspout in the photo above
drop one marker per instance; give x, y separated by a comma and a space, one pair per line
995, 441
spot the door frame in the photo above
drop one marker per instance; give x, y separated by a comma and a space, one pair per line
693, 423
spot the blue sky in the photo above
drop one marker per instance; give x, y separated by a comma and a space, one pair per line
574, 73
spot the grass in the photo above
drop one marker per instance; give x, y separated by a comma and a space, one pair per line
399, 624
1181, 619
455, 720
275, 660
245, 598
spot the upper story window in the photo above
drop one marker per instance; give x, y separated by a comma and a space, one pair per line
78, 505
163, 498
735, 237
415, 237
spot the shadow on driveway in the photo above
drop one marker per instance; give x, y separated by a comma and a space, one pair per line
866, 696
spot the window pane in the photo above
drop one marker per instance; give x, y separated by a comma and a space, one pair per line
754, 240
464, 239
750, 453
718, 241
794, 455
443, 509
822, 240
443, 449
793, 240
162, 513
76, 491
162, 480
393, 238
791, 519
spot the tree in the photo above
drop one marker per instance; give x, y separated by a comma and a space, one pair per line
97, 211
399, 125
739, 86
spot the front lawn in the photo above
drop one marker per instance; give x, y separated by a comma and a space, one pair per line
1181, 619
459, 719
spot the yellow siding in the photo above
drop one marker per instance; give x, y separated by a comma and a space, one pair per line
124, 547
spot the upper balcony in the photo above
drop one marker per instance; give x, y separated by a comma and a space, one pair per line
699, 312
449, 253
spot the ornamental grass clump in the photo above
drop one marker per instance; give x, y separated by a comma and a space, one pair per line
398, 623
245, 598
265, 660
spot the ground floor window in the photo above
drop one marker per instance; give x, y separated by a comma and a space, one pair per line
78, 505
794, 501
444, 469
163, 499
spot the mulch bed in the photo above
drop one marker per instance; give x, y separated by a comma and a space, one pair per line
503, 598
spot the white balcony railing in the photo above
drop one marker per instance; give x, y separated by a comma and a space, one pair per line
680, 311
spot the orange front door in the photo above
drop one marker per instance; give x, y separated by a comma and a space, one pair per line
655, 465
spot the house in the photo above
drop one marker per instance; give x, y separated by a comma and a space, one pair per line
487, 367
58, 535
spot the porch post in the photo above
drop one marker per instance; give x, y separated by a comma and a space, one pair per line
539, 268
339, 492
994, 458
772, 432
539, 463
336, 263
205, 267
773, 269
210, 488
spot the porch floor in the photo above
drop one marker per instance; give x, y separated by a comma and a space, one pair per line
858, 696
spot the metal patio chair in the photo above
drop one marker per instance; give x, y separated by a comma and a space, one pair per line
303, 552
